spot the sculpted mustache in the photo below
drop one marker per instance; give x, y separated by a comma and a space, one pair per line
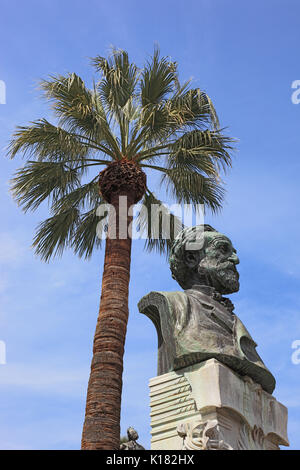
220, 267
229, 266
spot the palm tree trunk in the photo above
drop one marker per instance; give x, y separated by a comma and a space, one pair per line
102, 419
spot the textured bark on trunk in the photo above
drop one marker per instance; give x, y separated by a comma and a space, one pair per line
102, 419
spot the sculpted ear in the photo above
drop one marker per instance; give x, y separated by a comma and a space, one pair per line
192, 258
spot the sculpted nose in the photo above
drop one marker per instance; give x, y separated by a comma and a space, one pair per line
234, 259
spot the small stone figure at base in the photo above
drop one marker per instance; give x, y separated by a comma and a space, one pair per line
131, 444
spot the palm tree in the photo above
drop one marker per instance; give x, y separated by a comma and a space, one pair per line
131, 122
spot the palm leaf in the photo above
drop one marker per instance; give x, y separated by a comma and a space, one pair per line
37, 181
185, 110
80, 110
191, 187
55, 234
116, 88
191, 108
83, 197
208, 151
159, 78
86, 235
44, 141
158, 223
119, 79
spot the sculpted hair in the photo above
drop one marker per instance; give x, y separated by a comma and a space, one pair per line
180, 271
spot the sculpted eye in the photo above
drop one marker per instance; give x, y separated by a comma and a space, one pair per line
224, 247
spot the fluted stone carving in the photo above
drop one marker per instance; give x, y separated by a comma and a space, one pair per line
207, 406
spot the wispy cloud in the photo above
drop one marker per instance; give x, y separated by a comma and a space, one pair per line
44, 379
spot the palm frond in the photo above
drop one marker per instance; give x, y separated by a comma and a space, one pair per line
80, 110
207, 151
55, 234
192, 108
83, 197
186, 110
159, 78
191, 187
44, 141
37, 181
117, 89
119, 79
158, 224
86, 235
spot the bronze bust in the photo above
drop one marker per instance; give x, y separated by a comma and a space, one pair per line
198, 323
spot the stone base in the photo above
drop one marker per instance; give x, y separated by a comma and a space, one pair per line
208, 407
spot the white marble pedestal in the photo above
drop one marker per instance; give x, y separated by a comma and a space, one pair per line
208, 407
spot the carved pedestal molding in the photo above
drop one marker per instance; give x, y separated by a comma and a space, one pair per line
208, 407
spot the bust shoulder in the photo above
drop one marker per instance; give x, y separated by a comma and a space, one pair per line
160, 306
160, 300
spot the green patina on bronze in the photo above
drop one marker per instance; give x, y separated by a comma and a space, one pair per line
198, 324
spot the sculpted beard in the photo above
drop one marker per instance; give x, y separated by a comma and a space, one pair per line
228, 277
224, 277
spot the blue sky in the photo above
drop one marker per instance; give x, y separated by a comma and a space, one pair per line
245, 56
